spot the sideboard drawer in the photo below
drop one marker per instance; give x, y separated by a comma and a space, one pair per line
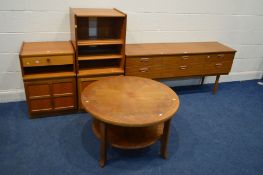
183, 70
146, 71
47, 60
219, 57
222, 67
184, 59
143, 61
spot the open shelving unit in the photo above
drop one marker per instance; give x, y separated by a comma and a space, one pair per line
98, 37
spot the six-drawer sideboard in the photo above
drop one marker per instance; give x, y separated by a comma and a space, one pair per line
175, 60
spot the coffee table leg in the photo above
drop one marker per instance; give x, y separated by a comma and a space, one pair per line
164, 139
103, 144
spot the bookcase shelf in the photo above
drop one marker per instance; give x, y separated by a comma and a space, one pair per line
98, 36
100, 57
99, 42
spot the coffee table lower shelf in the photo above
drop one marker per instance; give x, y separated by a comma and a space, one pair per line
129, 137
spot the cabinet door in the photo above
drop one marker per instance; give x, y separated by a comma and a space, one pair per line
64, 94
39, 96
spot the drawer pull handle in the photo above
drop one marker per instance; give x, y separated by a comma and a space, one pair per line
185, 57
183, 67
48, 59
144, 59
208, 56
218, 64
221, 56
144, 69
37, 61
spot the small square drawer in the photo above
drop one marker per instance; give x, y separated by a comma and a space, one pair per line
62, 103
47, 60
37, 89
40, 105
63, 86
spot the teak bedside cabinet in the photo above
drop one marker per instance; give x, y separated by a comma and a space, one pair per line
48, 70
98, 36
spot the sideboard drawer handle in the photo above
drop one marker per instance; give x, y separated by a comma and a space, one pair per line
48, 60
218, 64
183, 67
145, 69
185, 57
220, 55
144, 59
37, 61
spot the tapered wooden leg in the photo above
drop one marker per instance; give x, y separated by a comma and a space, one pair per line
165, 138
216, 84
103, 144
202, 80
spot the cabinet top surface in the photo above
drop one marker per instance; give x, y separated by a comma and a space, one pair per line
175, 48
86, 12
130, 101
46, 48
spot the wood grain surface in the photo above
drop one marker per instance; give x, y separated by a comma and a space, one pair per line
130, 101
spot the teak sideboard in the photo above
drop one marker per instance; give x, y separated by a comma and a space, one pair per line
175, 60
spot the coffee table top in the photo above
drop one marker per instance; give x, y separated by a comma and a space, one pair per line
130, 101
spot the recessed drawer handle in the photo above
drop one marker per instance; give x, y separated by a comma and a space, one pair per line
183, 67
185, 57
218, 64
221, 56
48, 60
144, 59
144, 69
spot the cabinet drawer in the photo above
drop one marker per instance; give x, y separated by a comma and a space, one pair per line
47, 60
147, 71
183, 70
222, 67
143, 61
63, 103
40, 105
37, 89
184, 59
219, 57
61, 87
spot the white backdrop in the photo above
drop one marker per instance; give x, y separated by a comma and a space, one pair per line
236, 23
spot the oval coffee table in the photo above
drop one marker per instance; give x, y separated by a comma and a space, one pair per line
130, 112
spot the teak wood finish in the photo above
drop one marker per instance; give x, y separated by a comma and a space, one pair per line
130, 112
98, 36
175, 60
48, 70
